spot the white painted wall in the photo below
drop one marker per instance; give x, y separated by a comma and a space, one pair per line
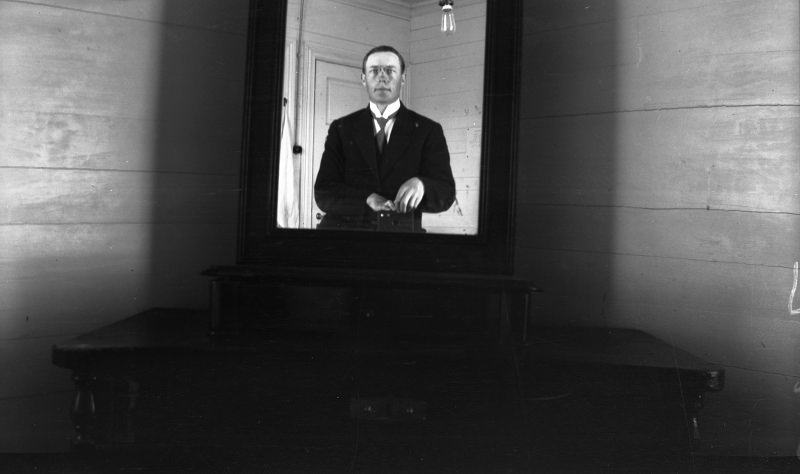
120, 128
658, 189
446, 79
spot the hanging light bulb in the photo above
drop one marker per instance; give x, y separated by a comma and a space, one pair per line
448, 20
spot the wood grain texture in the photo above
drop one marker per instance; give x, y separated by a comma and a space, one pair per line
65, 279
666, 59
446, 83
658, 186
46, 196
119, 150
447, 77
65, 61
722, 158
230, 17
326, 20
729, 237
430, 39
440, 52
81, 141
73, 96
686, 302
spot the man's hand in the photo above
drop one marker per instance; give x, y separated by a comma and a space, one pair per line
409, 195
376, 202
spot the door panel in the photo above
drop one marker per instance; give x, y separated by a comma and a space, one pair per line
337, 92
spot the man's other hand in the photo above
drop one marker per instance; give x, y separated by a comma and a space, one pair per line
409, 195
376, 202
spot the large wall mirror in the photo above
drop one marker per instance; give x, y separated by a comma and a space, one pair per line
322, 81
305, 71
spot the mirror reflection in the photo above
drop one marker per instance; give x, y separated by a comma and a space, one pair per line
388, 138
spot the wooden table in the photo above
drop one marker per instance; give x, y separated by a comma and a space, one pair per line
162, 362
631, 350
287, 386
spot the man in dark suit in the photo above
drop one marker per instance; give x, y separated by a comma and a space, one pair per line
384, 160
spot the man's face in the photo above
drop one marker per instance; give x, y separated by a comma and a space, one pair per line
383, 78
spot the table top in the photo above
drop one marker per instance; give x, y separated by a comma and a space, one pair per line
618, 346
165, 331
168, 332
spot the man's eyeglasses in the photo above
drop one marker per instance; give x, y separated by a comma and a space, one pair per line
375, 71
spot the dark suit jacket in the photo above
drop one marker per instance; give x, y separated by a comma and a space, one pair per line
351, 170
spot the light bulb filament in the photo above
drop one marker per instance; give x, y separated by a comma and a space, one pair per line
448, 20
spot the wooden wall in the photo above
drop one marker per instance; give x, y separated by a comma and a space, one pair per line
446, 83
657, 188
120, 125
659, 185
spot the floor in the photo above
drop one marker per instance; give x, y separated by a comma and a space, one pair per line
205, 462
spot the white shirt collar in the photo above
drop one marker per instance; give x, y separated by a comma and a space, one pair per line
390, 109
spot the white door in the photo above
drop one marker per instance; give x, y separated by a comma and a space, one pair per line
337, 92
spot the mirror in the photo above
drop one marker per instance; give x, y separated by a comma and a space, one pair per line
482, 241
442, 80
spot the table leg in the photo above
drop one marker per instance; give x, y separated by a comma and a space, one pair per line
102, 410
84, 411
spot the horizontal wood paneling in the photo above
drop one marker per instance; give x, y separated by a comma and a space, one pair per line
462, 217
446, 84
61, 250
734, 237
723, 158
63, 196
754, 342
455, 109
325, 20
64, 61
120, 126
468, 30
574, 285
54, 140
658, 188
719, 311
669, 59
753, 296
448, 52
65, 279
464, 165
567, 161
445, 78
94, 98
230, 16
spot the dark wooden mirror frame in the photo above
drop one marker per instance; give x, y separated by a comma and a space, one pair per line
490, 251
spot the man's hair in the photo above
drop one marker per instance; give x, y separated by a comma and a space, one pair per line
383, 49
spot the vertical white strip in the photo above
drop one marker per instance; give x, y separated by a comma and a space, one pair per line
791, 294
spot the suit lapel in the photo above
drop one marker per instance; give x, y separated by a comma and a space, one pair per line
398, 141
365, 139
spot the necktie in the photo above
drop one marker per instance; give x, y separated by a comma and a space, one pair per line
380, 137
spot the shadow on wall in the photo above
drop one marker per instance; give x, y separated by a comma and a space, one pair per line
565, 218
197, 150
